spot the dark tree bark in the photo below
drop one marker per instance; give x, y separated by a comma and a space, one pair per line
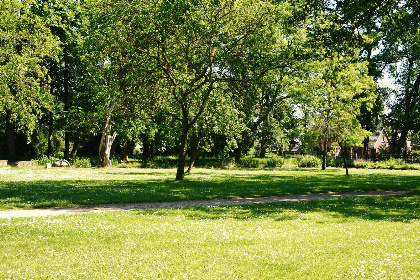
50, 136
66, 145
182, 152
263, 149
324, 155
10, 137
196, 150
124, 151
76, 142
345, 155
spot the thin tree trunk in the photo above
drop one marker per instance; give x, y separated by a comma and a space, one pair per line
182, 152
66, 145
324, 156
50, 135
345, 159
10, 138
240, 148
196, 149
366, 148
75, 143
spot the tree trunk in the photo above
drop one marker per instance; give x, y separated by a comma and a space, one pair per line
345, 159
182, 152
106, 145
124, 152
66, 145
50, 136
402, 141
75, 143
324, 155
263, 150
238, 153
196, 149
366, 148
240, 148
10, 138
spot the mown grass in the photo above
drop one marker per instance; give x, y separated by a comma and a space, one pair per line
343, 238
36, 187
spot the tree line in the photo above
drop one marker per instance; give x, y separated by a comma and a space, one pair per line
217, 74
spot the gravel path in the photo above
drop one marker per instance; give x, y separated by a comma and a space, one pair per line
193, 203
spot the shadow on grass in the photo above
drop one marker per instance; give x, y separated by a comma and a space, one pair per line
397, 209
201, 185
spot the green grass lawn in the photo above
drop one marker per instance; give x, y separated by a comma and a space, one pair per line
341, 238
36, 187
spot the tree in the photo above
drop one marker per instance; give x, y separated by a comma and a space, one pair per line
25, 42
117, 76
335, 88
184, 44
66, 75
402, 36
261, 70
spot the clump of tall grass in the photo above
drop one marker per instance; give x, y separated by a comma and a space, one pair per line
248, 162
392, 163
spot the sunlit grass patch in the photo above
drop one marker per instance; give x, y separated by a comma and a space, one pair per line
343, 238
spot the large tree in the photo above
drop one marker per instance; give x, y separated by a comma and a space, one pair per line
185, 44
401, 31
25, 42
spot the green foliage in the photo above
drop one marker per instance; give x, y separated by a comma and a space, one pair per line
339, 162
43, 160
309, 161
26, 41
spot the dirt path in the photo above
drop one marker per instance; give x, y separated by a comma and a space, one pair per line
194, 203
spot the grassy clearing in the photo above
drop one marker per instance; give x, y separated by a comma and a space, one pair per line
345, 238
31, 187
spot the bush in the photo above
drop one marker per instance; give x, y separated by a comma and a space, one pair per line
81, 162
339, 162
309, 161
42, 160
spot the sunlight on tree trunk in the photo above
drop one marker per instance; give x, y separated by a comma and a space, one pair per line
105, 145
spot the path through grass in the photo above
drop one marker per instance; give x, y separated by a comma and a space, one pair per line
28, 188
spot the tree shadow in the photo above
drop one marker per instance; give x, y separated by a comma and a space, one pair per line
403, 208
54, 193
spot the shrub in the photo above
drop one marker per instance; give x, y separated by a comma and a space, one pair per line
42, 160
81, 162
309, 161
339, 162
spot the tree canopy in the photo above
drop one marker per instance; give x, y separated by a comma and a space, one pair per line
174, 74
